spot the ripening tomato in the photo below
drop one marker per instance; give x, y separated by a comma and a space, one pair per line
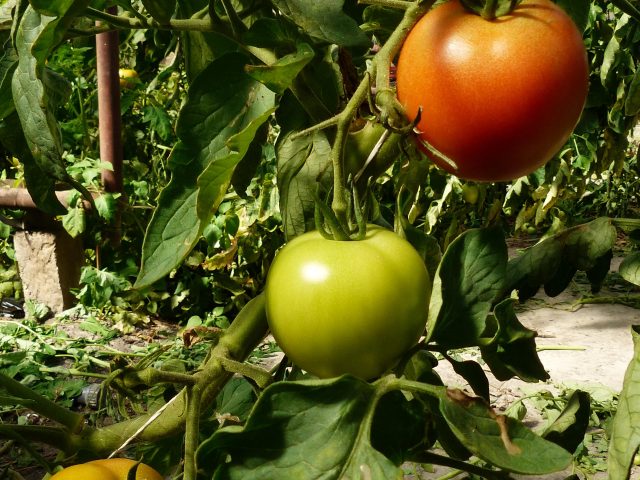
355, 307
107, 469
500, 97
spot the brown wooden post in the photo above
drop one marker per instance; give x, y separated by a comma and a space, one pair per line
109, 119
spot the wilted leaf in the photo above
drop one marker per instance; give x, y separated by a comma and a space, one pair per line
555, 259
468, 279
502, 441
625, 431
511, 349
302, 430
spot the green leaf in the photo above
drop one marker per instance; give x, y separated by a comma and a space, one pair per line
511, 347
280, 75
273, 33
399, 426
474, 374
629, 269
467, 281
158, 120
214, 182
160, 10
569, 428
578, 10
502, 441
627, 7
8, 65
201, 48
324, 20
554, 259
311, 429
224, 109
41, 187
302, 163
236, 398
36, 36
625, 431
632, 99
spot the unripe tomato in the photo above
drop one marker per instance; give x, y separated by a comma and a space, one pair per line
359, 146
107, 469
499, 98
338, 307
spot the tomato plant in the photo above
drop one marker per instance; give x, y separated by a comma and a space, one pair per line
498, 98
107, 469
355, 307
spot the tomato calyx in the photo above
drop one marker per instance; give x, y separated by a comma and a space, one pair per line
328, 225
490, 9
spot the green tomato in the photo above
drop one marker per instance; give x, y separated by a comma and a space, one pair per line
338, 307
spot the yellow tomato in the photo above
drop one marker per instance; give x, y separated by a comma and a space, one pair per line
108, 469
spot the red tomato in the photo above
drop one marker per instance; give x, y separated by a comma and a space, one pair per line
499, 98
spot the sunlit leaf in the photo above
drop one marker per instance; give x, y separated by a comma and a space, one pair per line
313, 429
324, 20
625, 431
468, 279
502, 441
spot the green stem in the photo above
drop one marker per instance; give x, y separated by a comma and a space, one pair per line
180, 24
57, 436
42, 405
260, 376
192, 432
379, 70
434, 458
237, 342
396, 4
152, 376
489, 10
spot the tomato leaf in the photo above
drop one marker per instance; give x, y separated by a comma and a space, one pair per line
236, 399
511, 349
303, 163
578, 10
502, 441
629, 269
467, 281
224, 109
160, 10
201, 48
36, 36
569, 428
41, 187
554, 260
401, 425
8, 65
625, 431
272, 33
312, 428
474, 374
280, 75
324, 21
